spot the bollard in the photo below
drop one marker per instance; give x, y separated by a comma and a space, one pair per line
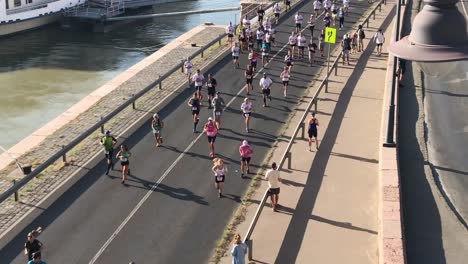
302, 130
289, 155
64, 156
102, 126
16, 193
160, 82
315, 105
250, 248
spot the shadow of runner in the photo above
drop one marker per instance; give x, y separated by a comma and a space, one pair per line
292, 241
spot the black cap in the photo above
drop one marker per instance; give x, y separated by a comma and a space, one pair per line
36, 255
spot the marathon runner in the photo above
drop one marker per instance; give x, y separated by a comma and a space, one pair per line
298, 19
241, 36
157, 125
327, 19
249, 73
341, 15
277, 11
285, 75
235, 55
312, 131
250, 39
311, 23
194, 104
260, 14
268, 38
246, 108
301, 42
265, 53
267, 24
265, 84
292, 43
260, 37
188, 69
322, 42
219, 171
327, 5
211, 131
211, 87
334, 10
246, 22
218, 103
272, 33
346, 6
317, 6
230, 33
288, 60
124, 156
245, 151
287, 3
198, 79
312, 50
108, 142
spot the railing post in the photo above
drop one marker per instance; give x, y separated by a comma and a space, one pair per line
64, 156
374, 14
336, 69
302, 130
380, 7
249, 248
160, 82
134, 102
182, 67
219, 42
315, 105
289, 159
16, 193
202, 54
326, 84
367, 22
102, 126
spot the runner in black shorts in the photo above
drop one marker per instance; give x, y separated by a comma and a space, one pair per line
211, 87
287, 3
249, 78
194, 104
312, 131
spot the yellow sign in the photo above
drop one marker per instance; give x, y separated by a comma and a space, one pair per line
330, 35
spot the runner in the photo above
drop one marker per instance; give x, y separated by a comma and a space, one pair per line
250, 39
346, 47
219, 171
194, 104
334, 11
273, 177
253, 57
361, 35
245, 151
301, 42
354, 43
108, 142
246, 108
312, 50
265, 84
235, 55
260, 37
298, 19
287, 3
379, 39
327, 19
157, 125
260, 14
312, 131
246, 22
288, 60
346, 6
124, 156
249, 78
219, 104
267, 24
188, 69
268, 38
265, 53
272, 33
211, 87
240, 36
32, 244
285, 75
198, 79
317, 6
321, 41
211, 131
277, 11
341, 15
230, 33
292, 43
311, 23
327, 5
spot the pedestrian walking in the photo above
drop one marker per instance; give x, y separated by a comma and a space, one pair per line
36, 258
273, 177
239, 250
188, 69
246, 108
124, 156
32, 244
361, 35
245, 151
312, 131
218, 105
157, 125
265, 84
345, 48
379, 39
219, 171
108, 142
211, 131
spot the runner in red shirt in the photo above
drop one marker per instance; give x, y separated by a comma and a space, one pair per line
211, 131
245, 151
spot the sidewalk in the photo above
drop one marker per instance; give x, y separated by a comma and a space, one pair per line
329, 199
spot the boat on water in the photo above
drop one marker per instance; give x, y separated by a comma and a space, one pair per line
22, 15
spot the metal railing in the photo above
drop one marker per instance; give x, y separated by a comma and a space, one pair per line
301, 126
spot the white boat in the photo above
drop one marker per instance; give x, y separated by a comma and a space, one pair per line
21, 15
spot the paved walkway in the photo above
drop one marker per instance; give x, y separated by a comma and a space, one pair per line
329, 199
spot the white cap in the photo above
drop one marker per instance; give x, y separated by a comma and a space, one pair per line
245, 142
155, 115
210, 118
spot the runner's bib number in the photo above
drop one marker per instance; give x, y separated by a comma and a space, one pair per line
194, 108
219, 178
218, 113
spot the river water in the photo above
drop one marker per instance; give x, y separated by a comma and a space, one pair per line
44, 72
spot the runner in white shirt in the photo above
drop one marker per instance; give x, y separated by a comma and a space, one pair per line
379, 40
311, 23
235, 55
265, 84
188, 68
301, 43
246, 22
285, 75
260, 37
346, 6
267, 24
273, 177
327, 5
317, 7
277, 11
246, 108
272, 32
298, 19
199, 80
292, 43
230, 33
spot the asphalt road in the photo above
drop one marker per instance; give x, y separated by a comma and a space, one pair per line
169, 212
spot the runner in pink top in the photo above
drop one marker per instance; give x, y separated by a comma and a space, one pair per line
245, 151
211, 131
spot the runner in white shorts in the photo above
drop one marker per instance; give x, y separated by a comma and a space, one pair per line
188, 69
